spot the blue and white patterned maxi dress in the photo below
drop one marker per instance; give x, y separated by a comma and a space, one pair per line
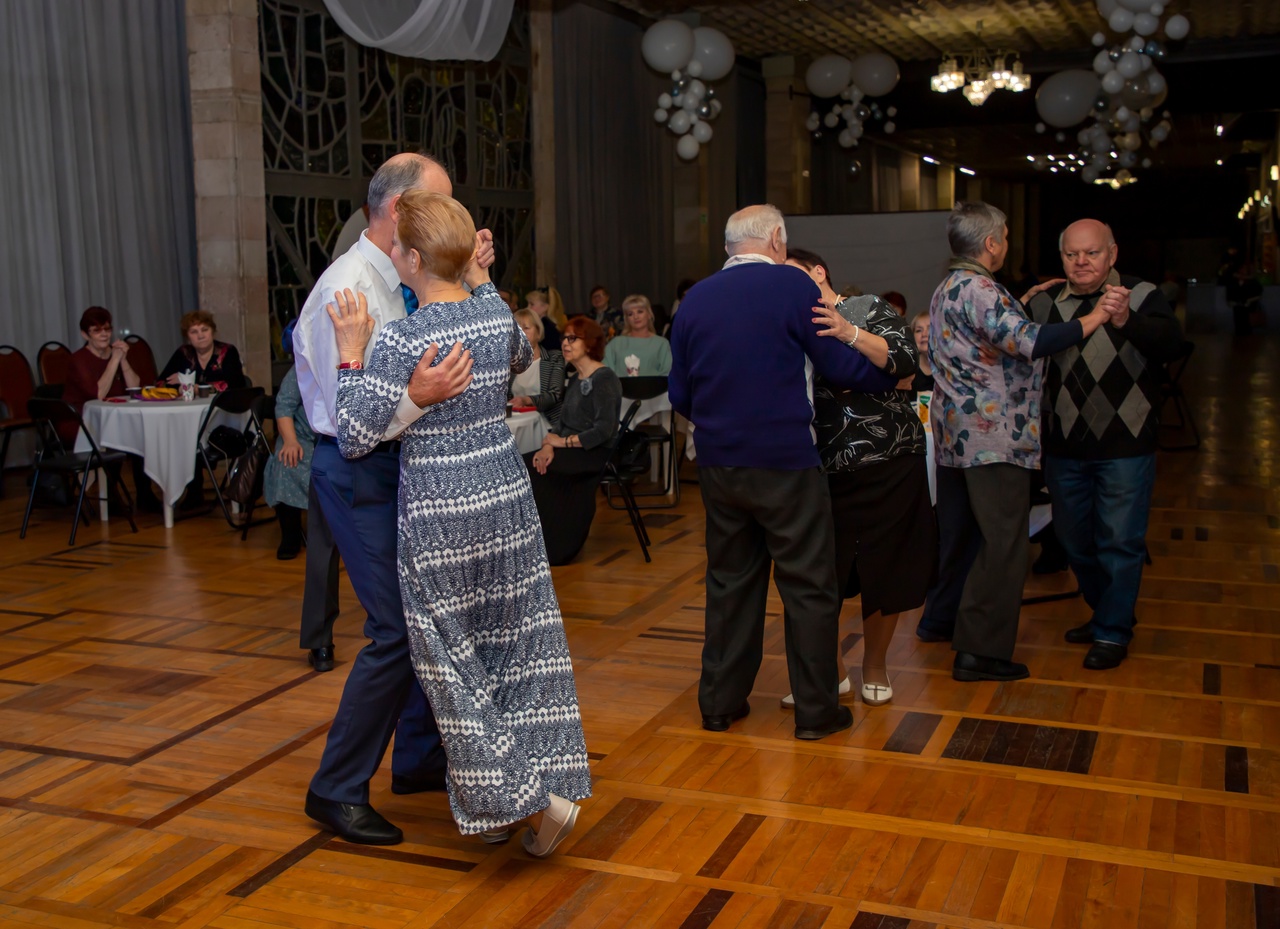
484, 624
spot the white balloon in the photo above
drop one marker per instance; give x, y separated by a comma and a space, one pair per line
1159, 133
696, 89
1157, 9
1156, 84
679, 122
1113, 82
713, 50
702, 132
1122, 114
667, 45
1130, 64
664, 101
1107, 7
1132, 141
687, 147
1147, 63
716, 106
813, 122
1136, 43
660, 115
676, 74
1133, 123
1128, 159
891, 112
1146, 162
876, 73
1099, 39
890, 128
1066, 98
1041, 128
828, 75
690, 102
1177, 27
830, 120
1136, 6
694, 68
1100, 144
1102, 62
855, 130
1145, 24
846, 139
1121, 20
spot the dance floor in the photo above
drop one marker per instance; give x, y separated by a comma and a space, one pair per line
158, 726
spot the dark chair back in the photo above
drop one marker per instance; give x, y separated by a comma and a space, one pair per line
52, 414
238, 400
643, 388
53, 361
16, 384
142, 359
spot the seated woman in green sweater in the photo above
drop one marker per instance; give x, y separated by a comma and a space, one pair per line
639, 351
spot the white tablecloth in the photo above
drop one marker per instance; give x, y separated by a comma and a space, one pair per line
162, 432
529, 429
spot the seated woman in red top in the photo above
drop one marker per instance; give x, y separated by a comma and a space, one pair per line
100, 370
215, 363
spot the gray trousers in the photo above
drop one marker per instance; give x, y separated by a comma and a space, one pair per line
320, 589
758, 518
982, 526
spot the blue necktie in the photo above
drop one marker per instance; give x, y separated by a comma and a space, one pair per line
410, 298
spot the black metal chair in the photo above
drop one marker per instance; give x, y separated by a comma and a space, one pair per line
142, 359
48, 414
238, 401
17, 386
618, 474
1171, 389
646, 388
53, 360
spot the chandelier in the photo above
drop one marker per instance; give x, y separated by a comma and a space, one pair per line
978, 72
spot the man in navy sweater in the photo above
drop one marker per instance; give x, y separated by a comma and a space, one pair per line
744, 352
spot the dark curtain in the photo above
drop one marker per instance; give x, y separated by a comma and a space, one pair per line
613, 165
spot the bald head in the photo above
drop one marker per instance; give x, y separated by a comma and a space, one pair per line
1089, 253
758, 230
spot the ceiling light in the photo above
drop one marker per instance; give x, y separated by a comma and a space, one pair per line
1219, 162
971, 172
978, 72
1275, 172
1219, 129
932, 161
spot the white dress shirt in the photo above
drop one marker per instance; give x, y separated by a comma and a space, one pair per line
365, 269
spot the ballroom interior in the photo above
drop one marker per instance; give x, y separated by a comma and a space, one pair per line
158, 722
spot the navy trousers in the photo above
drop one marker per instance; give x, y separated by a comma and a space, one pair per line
359, 502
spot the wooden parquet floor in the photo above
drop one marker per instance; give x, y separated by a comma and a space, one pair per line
158, 727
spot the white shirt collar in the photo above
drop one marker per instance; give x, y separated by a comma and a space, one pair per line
380, 261
747, 258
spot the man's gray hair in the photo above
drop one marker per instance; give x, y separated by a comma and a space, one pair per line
969, 225
754, 222
396, 176
1109, 241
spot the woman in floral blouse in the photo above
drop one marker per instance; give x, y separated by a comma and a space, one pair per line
872, 447
214, 363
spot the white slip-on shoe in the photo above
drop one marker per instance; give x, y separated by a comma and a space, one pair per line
877, 694
789, 701
557, 822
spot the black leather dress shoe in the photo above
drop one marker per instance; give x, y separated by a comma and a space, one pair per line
1080, 635
968, 667
321, 658
416, 784
931, 635
843, 720
721, 723
358, 823
1103, 656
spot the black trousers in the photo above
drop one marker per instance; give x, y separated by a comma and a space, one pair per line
757, 517
320, 589
566, 499
982, 527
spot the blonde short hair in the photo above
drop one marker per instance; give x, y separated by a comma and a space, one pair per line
537, 296
641, 300
440, 230
533, 319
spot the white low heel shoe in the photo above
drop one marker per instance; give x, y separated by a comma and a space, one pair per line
789, 701
557, 822
877, 694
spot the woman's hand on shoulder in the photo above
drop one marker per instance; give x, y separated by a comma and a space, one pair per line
836, 325
1041, 288
352, 324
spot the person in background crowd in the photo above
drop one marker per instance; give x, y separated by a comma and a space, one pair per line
540, 305
607, 316
740, 348
541, 385
96, 371
214, 363
1102, 419
895, 300
986, 427
1244, 293
923, 378
681, 289
509, 299
872, 448
639, 351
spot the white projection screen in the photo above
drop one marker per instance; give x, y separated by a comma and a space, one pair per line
906, 252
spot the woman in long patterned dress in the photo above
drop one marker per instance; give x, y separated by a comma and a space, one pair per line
485, 630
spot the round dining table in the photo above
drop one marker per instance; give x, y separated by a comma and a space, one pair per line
529, 428
162, 432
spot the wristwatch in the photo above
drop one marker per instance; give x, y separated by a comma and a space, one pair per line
351, 366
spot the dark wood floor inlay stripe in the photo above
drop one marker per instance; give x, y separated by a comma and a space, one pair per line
659, 520
608, 559
1202, 534
1266, 905
913, 733
1236, 775
618, 825
708, 908
866, 920
1212, 683
849, 641
672, 638
1175, 533
728, 849
1049, 748
195, 884
392, 854
281, 865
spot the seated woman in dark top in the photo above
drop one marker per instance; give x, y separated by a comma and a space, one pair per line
565, 471
923, 379
215, 363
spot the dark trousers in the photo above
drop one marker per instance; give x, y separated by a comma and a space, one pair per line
359, 502
756, 517
320, 591
982, 527
566, 499
1100, 511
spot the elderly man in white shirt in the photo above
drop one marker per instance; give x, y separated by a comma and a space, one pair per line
358, 500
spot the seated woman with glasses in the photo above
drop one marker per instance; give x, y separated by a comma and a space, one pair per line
566, 470
541, 385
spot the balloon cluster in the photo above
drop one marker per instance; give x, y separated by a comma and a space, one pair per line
694, 57
1122, 93
871, 75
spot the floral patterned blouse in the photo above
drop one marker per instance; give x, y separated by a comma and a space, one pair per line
982, 414
859, 429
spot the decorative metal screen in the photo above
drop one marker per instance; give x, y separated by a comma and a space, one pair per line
330, 104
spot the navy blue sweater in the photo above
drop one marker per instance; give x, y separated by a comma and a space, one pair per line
738, 349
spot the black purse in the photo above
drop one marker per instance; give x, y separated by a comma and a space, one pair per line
633, 451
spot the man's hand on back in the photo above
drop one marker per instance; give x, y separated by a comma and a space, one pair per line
430, 384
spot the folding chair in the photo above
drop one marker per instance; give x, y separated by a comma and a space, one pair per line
646, 388
17, 386
616, 474
48, 414
237, 402
1171, 388
53, 362
142, 359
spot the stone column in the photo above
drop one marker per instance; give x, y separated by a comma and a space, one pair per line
909, 179
787, 145
226, 135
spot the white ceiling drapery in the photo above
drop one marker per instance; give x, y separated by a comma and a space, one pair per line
436, 30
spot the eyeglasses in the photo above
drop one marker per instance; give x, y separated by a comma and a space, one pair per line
99, 330
565, 340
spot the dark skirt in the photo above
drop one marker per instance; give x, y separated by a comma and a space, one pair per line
566, 499
886, 534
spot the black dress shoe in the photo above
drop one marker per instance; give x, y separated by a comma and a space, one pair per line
1103, 656
925, 634
1080, 635
969, 667
321, 658
721, 723
288, 550
358, 823
843, 720
416, 784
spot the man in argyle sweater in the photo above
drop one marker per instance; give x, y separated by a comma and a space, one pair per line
1101, 409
